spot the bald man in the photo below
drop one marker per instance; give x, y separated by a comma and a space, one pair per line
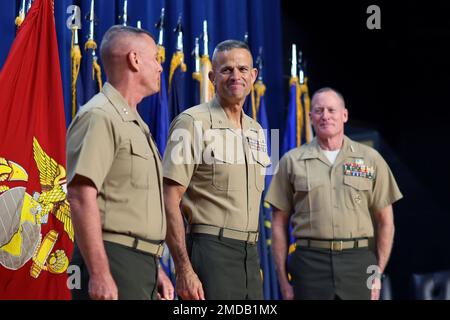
115, 176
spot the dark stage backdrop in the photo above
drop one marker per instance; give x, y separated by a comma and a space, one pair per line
396, 82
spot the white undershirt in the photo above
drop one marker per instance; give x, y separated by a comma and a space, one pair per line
331, 155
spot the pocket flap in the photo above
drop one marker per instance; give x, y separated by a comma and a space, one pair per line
359, 183
141, 149
219, 154
261, 157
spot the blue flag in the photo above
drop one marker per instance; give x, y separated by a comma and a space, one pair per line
298, 128
270, 280
92, 75
292, 134
261, 115
306, 102
159, 116
264, 254
79, 94
294, 122
196, 93
154, 110
159, 109
177, 102
249, 106
77, 83
263, 243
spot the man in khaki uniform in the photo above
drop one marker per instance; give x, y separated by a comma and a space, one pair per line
214, 165
115, 176
339, 193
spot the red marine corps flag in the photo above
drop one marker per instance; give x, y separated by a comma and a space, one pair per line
36, 234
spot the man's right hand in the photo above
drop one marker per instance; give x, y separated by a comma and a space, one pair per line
103, 287
287, 291
189, 287
82, 196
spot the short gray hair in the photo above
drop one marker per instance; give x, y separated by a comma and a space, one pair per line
228, 45
118, 30
328, 89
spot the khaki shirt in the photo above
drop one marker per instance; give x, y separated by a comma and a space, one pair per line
325, 202
111, 145
224, 180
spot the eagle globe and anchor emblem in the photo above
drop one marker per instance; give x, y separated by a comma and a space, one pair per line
21, 216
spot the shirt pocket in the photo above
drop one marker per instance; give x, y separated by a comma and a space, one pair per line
309, 194
357, 192
227, 175
142, 165
260, 162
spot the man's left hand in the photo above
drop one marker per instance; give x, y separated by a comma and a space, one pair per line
165, 287
376, 289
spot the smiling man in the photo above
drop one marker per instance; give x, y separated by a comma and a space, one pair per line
220, 193
337, 194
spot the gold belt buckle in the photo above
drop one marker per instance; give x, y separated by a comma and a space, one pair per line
252, 237
337, 245
160, 250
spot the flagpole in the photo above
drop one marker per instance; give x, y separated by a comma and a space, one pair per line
125, 13
92, 45
91, 21
196, 54
294, 61
29, 5
178, 56
76, 63
160, 26
21, 16
305, 99
206, 87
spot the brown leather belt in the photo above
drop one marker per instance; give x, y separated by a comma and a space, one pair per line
333, 245
135, 243
251, 236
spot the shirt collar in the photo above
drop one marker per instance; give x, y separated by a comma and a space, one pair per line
219, 119
119, 103
349, 149
312, 151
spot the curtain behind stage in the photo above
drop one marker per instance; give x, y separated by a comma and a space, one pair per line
226, 19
